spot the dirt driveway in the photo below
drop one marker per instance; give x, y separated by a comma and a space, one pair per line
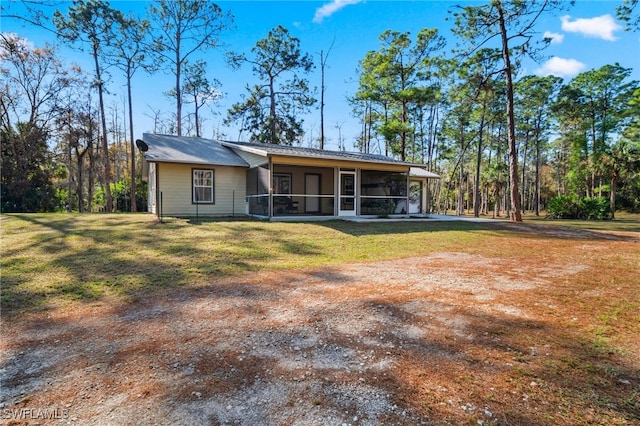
447, 338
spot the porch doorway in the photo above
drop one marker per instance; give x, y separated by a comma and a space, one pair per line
311, 188
347, 193
415, 197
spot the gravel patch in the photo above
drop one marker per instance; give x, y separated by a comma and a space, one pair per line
298, 348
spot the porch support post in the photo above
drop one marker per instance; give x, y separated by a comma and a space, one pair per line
270, 188
408, 190
357, 186
425, 197
336, 190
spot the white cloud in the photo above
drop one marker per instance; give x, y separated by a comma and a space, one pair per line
21, 44
599, 27
554, 37
330, 8
560, 67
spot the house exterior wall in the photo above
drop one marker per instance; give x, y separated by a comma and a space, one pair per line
174, 190
297, 173
301, 161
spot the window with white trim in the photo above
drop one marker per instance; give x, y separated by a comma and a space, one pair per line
203, 181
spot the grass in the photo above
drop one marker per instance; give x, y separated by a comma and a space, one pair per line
624, 222
584, 367
57, 259
51, 260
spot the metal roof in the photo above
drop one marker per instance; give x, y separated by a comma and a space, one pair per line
191, 150
294, 151
186, 149
422, 173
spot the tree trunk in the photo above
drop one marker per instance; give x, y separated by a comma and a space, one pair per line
460, 206
523, 203
134, 207
476, 186
79, 161
403, 134
178, 88
612, 195
91, 178
515, 213
537, 189
70, 179
272, 113
322, 59
105, 143
369, 130
197, 115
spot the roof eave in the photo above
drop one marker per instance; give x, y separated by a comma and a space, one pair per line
264, 153
199, 163
244, 148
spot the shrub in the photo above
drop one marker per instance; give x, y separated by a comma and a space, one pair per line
121, 192
597, 208
563, 207
571, 207
121, 195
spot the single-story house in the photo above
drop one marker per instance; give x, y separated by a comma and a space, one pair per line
203, 177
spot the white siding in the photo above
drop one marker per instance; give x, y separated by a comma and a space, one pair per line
175, 190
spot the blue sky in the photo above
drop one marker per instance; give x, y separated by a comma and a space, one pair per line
585, 36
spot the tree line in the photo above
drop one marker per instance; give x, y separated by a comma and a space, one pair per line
500, 143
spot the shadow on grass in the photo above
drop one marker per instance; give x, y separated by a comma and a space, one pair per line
545, 367
403, 227
626, 222
535, 229
88, 257
49, 259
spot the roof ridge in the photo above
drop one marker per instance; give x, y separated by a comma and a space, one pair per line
299, 149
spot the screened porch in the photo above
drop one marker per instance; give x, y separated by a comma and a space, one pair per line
297, 191
325, 191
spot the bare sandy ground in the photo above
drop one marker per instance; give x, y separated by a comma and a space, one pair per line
363, 344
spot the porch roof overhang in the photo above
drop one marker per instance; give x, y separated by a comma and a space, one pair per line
421, 172
311, 156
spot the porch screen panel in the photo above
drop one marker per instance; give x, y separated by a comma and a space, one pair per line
301, 197
258, 190
258, 181
383, 192
263, 180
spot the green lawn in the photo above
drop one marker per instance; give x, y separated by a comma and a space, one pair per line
54, 259
537, 321
623, 222
57, 258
